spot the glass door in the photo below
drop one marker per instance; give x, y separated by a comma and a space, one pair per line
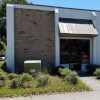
74, 52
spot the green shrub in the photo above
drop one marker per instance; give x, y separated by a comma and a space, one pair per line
12, 76
72, 78
65, 71
56, 70
1, 70
15, 83
27, 85
3, 75
4, 67
26, 77
2, 83
42, 80
91, 67
97, 73
2, 47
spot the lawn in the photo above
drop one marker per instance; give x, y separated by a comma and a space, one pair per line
55, 87
13, 85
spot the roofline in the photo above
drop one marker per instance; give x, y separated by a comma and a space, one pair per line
55, 7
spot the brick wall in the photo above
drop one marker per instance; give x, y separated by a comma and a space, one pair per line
34, 37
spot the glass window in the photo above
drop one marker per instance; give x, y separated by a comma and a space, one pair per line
74, 50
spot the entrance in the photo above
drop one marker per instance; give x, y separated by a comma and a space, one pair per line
74, 52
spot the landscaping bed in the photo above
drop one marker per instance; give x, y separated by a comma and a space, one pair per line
13, 85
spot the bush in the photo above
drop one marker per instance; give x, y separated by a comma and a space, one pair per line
91, 67
42, 80
27, 85
97, 73
12, 76
3, 75
56, 70
2, 83
15, 83
25, 77
20, 80
4, 67
64, 72
1, 70
2, 47
72, 78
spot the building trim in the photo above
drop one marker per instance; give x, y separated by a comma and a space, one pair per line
10, 38
34, 7
54, 7
83, 66
57, 56
94, 50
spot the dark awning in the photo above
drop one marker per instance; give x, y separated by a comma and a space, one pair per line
77, 27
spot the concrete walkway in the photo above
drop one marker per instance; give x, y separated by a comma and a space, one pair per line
93, 95
68, 96
91, 82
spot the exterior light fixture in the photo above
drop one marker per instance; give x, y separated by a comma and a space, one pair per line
94, 14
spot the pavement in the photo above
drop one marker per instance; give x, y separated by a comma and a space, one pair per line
93, 95
91, 82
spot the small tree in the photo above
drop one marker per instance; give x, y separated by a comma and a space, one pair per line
3, 14
2, 47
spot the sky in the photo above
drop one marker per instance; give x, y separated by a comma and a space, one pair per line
82, 4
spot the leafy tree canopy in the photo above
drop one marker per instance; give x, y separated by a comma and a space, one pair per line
2, 47
3, 22
3, 14
4, 2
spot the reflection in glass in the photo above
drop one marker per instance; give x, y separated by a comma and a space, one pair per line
74, 50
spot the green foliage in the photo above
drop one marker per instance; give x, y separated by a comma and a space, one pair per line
2, 47
3, 14
4, 2
27, 85
1, 70
15, 83
57, 86
12, 76
21, 81
4, 67
25, 77
56, 70
2, 83
42, 80
46, 84
3, 75
72, 78
1, 63
64, 72
91, 67
97, 73
3, 30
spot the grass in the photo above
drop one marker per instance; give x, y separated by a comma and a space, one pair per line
56, 85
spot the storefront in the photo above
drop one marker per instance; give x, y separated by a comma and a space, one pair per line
55, 35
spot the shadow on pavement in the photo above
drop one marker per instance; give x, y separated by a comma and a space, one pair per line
83, 74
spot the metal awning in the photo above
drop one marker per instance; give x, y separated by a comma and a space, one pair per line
77, 27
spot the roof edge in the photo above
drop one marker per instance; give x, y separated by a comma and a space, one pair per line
55, 7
